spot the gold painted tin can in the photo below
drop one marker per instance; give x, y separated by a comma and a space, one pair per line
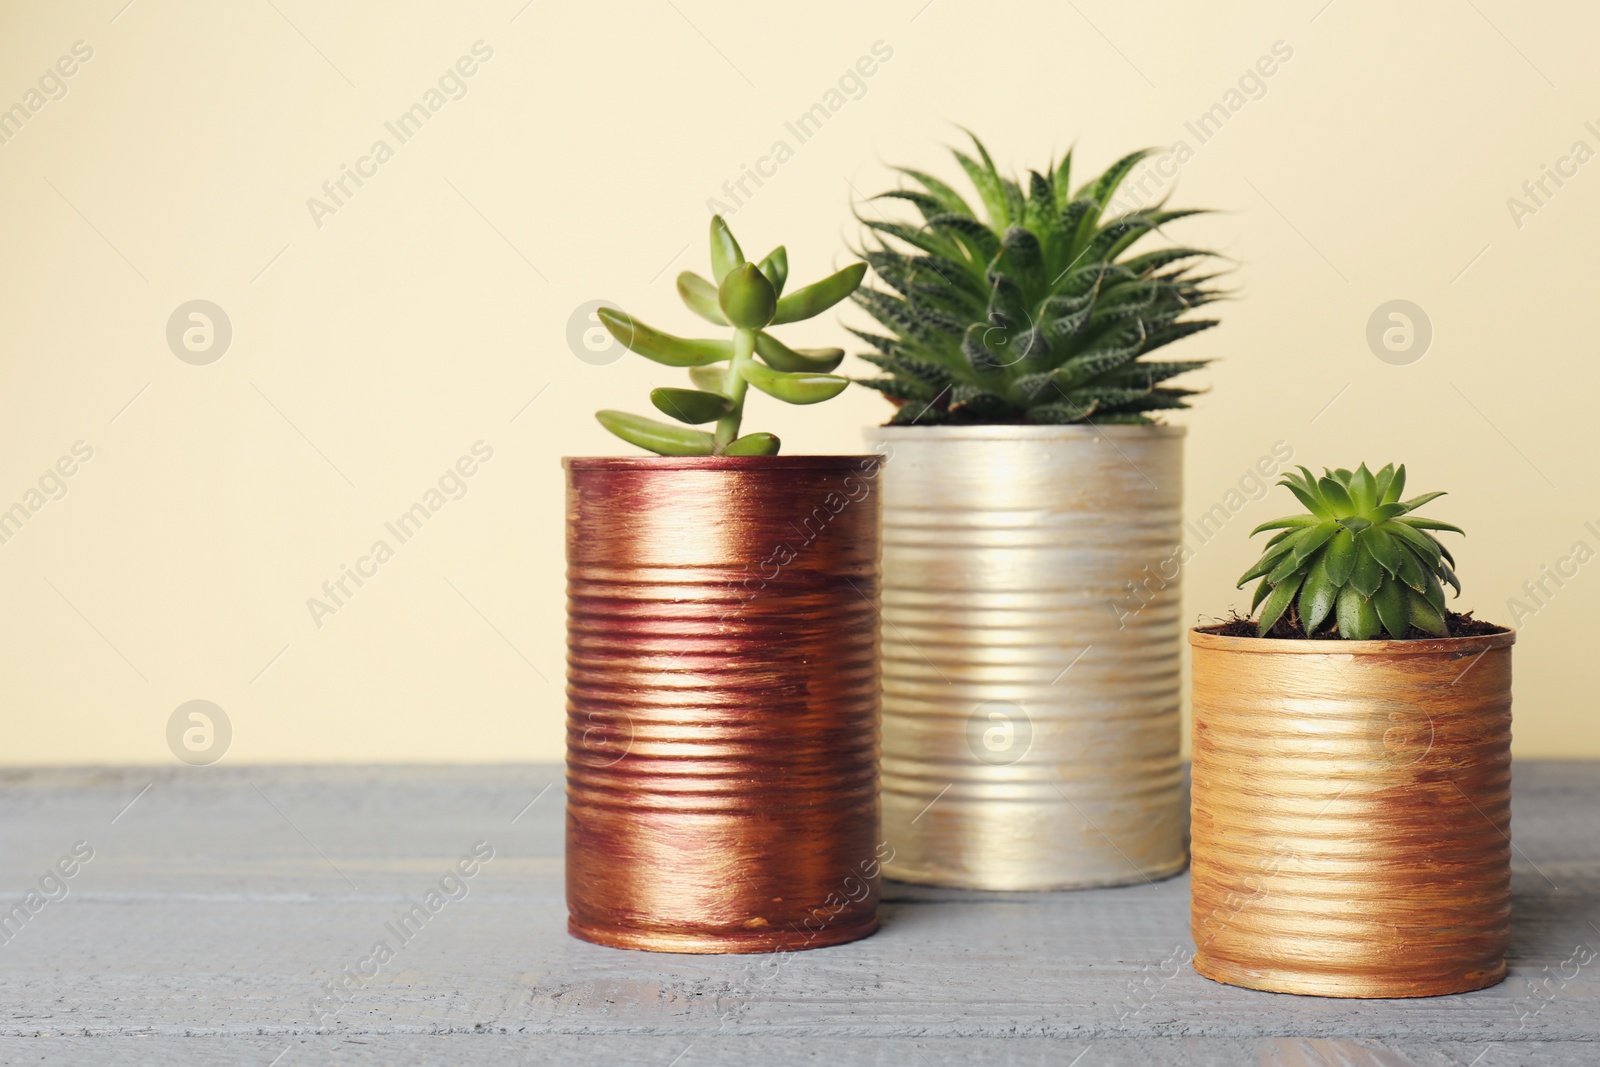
1031, 655
722, 715
1352, 814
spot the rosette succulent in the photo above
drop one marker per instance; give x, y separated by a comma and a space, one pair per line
749, 298
1037, 314
1361, 563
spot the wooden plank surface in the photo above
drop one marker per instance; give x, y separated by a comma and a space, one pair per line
220, 904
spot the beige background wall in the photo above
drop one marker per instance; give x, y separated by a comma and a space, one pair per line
429, 311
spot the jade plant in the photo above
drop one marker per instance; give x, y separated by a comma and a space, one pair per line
1036, 314
1360, 563
748, 298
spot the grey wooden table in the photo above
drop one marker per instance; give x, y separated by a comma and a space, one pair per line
220, 907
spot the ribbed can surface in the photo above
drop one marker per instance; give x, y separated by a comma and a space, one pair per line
1352, 814
1031, 648
722, 702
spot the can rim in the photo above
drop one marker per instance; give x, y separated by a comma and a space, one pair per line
717, 463
1199, 638
1013, 432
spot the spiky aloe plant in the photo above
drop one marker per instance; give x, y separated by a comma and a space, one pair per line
1360, 563
749, 298
1035, 315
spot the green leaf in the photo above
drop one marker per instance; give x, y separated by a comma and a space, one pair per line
1421, 543
1337, 496
1357, 618
753, 444
1278, 601
1393, 607
1314, 539
1433, 592
691, 405
1424, 616
1287, 566
1382, 482
662, 347
1263, 588
1271, 558
780, 356
1364, 489
1432, 524
1308, 497
659, 437
818, 297
746, 297
1413, 571
1341, 557
799, 388
1383, 548
1417, 501
1290, 522
1317, 596
725, 252
709, 379
1385, 512
941, 192
775, 268
1367, 574
1396, 486
700, 296
986, 180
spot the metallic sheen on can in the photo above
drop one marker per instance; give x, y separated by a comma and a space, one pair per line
722, 702
1031, 655
1352, 814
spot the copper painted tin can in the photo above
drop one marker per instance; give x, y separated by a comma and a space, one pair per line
722, 702
1032, 655
1352, 814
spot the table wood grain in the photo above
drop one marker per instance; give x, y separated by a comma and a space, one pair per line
221, 903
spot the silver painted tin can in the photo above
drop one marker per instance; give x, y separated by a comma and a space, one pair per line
1031, 655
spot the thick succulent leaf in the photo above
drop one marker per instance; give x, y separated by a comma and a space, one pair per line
1341, 556
900, 317
915, 236
978, 403
878, 341
1176, 331
1110, 350
1393, 606
1417, 501
691, 405
982, 358
986, 180
1263, 590
1363, 489
794, 388
947, 196
1356, 616
1384, 512
660, 437
1148, 262
1061, 413
1152, 400
1314, 539
1061, 178
1042, 213
1421, 543
1076, 226
1382, 481
1101, 189
977, 241
1447, 574
775, 267
1149, 373
709, 379
700, 297
1287, 566
1007, 304
1431, 524
1288, 522
662, 347
818, 297
1433, 592
1022, 254
904, 365
1397, 486
1337, 497
1424, 616
1382, 548
753, 444
746, 297
1367, 574
926, 203
725, 252
1270, 559
1413, 572
1317, 596
1278, 601
780, 356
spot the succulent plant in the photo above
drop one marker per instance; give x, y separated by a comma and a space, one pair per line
1035, 315
1360, 563
749, 298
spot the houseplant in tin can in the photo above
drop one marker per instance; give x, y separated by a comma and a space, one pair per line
1352, 765
722, 679
1031, 730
